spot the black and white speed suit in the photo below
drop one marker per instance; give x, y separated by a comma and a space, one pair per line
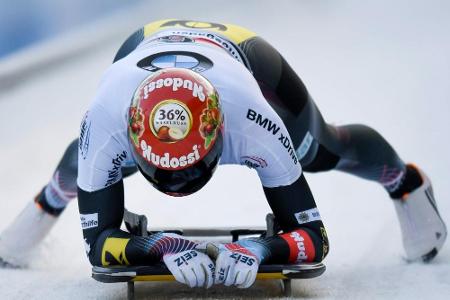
271, 124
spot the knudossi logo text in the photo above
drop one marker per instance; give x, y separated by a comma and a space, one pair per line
175, 83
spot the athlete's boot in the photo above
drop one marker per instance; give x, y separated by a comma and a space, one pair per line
24, 234
423, 230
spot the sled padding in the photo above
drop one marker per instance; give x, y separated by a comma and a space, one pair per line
161, 273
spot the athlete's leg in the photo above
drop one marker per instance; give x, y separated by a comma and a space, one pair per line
356, 149
32, 225
63, 185
39, 216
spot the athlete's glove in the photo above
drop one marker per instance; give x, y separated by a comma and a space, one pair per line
235, 265
191, 267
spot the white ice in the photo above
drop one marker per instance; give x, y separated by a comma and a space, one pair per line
382, 63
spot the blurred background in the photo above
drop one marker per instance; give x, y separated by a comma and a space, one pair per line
26, 22
382, 63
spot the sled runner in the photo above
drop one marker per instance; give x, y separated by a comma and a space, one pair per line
137, 224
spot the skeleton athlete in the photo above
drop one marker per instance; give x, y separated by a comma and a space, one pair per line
183, 97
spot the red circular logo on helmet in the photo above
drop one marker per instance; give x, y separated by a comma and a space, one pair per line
174, 118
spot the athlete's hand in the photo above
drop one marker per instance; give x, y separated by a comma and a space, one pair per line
235, 265
191, 267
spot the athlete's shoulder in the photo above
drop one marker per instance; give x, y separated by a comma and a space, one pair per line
256, 136
103, 148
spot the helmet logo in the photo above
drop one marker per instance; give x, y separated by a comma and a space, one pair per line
168, 161
170, 121
175, 60
175, 83
174, 119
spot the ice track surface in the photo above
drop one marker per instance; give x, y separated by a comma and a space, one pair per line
383, 64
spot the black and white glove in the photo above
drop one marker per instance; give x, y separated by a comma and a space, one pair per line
235, 265
191, 267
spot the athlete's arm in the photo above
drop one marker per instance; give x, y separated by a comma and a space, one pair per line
101, 215
304, 237
263, 143
103, 152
